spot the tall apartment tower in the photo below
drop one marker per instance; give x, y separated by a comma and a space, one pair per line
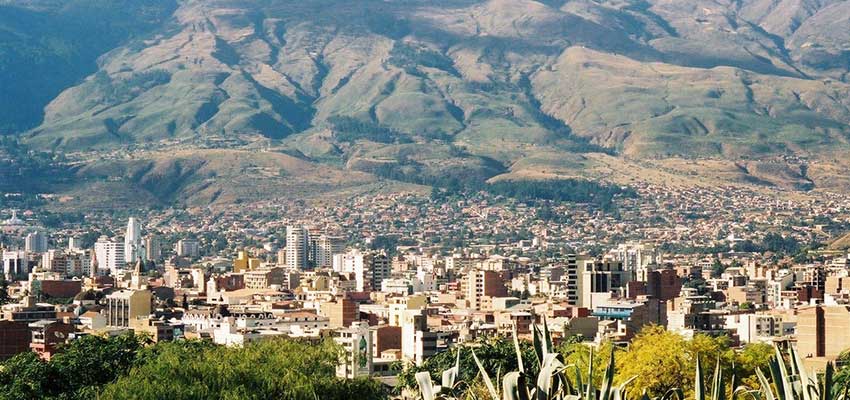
297, 244
326, 247
134, 249
36, 242
153, 247
190, 248
110, 256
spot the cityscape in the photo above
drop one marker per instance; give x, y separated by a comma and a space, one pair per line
397, 279
425, 199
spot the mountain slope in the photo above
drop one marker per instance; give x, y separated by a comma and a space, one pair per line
47, 46
425, 91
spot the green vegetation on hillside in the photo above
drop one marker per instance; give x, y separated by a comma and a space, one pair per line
562, 190
27, 172
349, 129
46, 50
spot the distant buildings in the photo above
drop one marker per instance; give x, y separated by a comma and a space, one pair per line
481, 286
325, 247
15, 265
67, 263
297, 242
36, 242
153, 247
189, 248
134, 248
125, 305
369, 268
110, 256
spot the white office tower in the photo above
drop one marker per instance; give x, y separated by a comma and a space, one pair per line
134, 249
74, 244
110, 256
36, 242
296, 247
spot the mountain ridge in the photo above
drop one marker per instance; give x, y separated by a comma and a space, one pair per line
417, 91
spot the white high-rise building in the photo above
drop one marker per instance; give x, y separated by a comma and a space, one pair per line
134, 248
110, 256
36, 242
297, 244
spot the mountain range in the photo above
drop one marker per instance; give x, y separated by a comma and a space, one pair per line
680, 92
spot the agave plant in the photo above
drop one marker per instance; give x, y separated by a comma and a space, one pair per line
551, 383
791, 380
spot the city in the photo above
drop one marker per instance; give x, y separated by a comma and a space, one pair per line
425, 199
410, 275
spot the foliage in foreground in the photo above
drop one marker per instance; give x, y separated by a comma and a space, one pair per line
558, 380
127, 367
659, 359
77, 373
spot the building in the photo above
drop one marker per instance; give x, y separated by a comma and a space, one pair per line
35, 242
74, 244
157, 329
758, 327
124, 305
66, 262
48, 335
417, 343
637, 257
573, 265
29, 311
57, 289
297, 243
110, 256
357, 345
244, 262
153, 248
15, 337
823, 331
15, 265
265, 278
189, 248
480, 286
370, 270
326, 247
134, 248
341, 313
601, 277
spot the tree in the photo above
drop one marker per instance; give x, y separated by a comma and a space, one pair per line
78, 372
661, 360
269, 369
750, 358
